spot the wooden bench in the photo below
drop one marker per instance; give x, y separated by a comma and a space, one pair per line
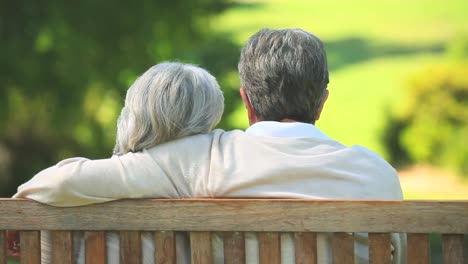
268, 217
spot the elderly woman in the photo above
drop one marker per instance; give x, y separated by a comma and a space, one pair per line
169, 101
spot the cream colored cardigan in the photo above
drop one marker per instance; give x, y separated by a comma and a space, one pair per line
227, 164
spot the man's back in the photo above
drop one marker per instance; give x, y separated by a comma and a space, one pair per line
289, 166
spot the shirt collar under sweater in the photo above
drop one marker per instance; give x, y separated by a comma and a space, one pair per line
286, 129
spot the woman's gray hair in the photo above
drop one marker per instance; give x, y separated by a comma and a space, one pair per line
285, 74
169, 101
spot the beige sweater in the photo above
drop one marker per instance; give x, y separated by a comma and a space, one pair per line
227, 164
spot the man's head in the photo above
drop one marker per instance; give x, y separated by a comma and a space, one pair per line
284, 75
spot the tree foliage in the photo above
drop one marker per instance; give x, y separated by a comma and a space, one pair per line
65, 67
434, 126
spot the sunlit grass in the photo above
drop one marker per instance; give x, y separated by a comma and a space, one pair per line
408, 21
434, 196
360, 96
425, 182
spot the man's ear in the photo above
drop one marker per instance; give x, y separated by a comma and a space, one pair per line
319, 111
250, 111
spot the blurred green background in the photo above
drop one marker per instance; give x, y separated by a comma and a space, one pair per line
398, 71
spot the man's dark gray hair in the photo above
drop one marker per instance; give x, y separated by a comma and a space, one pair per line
285, 74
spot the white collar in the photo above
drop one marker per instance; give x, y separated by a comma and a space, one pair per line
284, 129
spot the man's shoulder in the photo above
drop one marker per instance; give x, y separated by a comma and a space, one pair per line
382, 175
197, 141
365, 153
214, 135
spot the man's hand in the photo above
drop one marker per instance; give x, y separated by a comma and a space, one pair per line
13, 243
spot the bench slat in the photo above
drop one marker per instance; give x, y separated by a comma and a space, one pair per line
200, 244
269, 247
343, 248
165, 247
95, 247
30, 246
305, 247
3, 254
453, 249
417, 218
234, 248
419, 249
243, 215
380, 250
62, 247
130, 247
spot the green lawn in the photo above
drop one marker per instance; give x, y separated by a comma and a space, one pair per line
400, 21
361, 95
373, 48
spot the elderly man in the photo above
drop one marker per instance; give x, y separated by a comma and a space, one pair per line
282, 154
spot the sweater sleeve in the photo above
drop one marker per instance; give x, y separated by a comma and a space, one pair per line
80, 181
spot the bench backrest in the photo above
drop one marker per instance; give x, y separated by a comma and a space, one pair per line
268, 217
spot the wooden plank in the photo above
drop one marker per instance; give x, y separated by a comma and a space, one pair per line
200, 244
62, 247
380, 248
269, 247
130, 247
286, 215
453, 249
95, 247
305, 247
3, 253
30, 245
419, 248
234, 248
165, 247
343, 248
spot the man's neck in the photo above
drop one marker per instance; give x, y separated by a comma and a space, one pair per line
284, 120
288, 120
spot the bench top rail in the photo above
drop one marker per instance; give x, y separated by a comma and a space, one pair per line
289, 215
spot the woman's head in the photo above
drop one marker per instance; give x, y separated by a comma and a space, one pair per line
169, 101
